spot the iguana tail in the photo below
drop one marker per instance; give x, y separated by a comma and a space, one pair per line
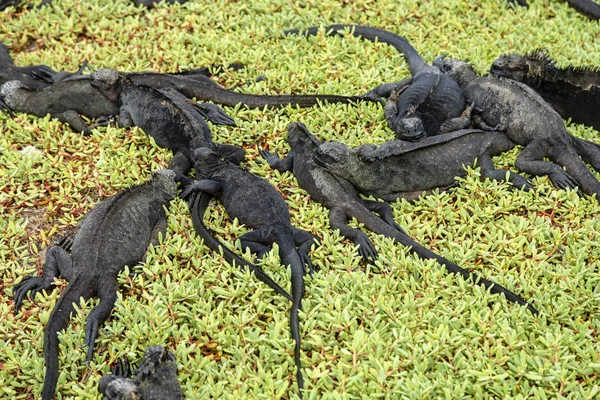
198, 209
586, 7
59, 319
414, 60
289, 256
5, 58
374, 224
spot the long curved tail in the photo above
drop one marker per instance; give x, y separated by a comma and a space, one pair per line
59, 319
374, 224
289, 256
198, 209
414, 60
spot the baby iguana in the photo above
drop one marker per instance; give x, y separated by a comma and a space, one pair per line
574, 92
530, 121
115, 233
427, 104
401, 169
155, 379
588, 8
340, 197
257, 205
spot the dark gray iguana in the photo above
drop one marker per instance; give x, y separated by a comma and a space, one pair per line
401, 169
574, 92
530, 121
115, 233
340, 197
155, 379
426, 104
171, 119
257, 205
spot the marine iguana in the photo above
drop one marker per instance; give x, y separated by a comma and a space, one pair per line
401, 169
574, 92
340, 197
155, 379
418, 106
171, 119
530, 121
257, 205
115, 233
588, 8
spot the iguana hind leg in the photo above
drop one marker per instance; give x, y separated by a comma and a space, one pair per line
107, 292
74, 120
58, 263
366, 250
588, 151
489, 171
530, 161
385, 213
304, 240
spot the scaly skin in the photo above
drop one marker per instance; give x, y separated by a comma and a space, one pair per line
258, 205
155, 379
115, 233
574, 92
340, 197
416, 107
530, 121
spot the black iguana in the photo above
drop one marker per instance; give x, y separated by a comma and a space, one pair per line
588, 8
115, 233
574, 92
340, 197
155, 379
401, 169
426, 104
171, 119
257, 205
530, 121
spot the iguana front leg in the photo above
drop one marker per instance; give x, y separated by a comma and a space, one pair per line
381, 92
58, 263
461, 122
337, 220
280, 164
74, 120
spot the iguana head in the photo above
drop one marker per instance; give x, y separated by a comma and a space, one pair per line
410, 129
336, 157
207, 162
300, 136
153, 358
165, 180
510, 66
460, 70
108, 82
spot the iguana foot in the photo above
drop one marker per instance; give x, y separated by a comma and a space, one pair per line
562, 180
520, 182
365, 249
34, 284
271, 158
92, 327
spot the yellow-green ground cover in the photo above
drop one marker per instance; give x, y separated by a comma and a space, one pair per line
399, 328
